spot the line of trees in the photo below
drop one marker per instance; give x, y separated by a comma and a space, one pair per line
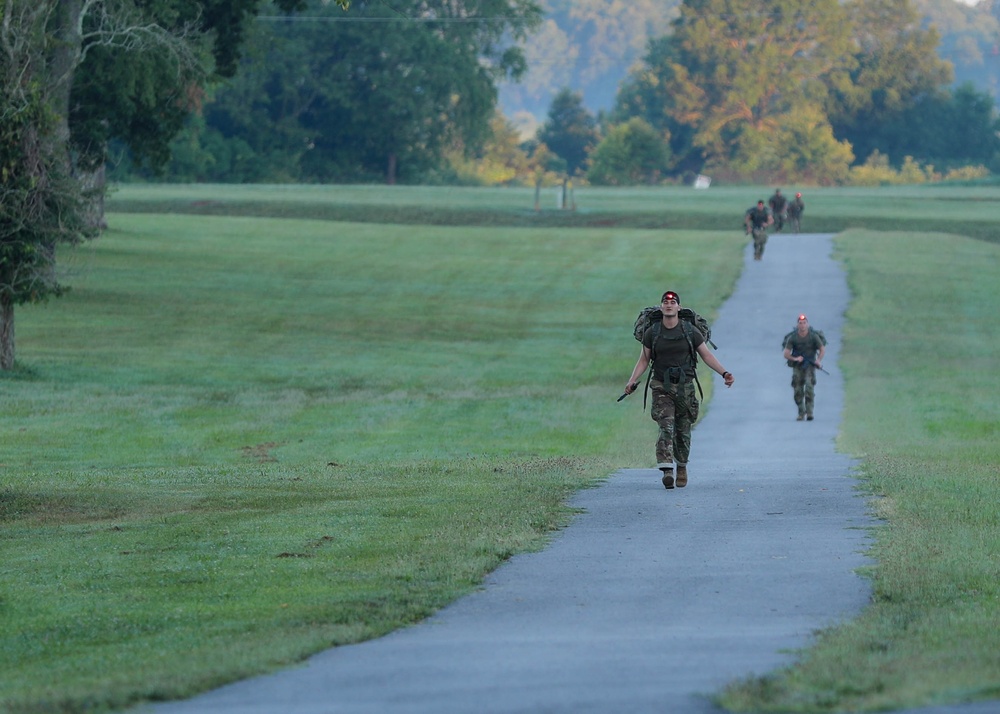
590, 45
775, 92
801, 90
382, 94
753, 90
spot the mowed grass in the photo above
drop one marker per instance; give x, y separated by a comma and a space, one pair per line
238, 441
965, 210
920, 360
263, 437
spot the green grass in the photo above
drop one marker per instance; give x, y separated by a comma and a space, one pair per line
262, 437
265, 437
923, 410
965, 210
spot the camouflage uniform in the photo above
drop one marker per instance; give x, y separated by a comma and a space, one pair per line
759, 217
804, 376
795, 210
675, 404
777, 203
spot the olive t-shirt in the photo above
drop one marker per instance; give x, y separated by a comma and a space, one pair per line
671, 349
807, 345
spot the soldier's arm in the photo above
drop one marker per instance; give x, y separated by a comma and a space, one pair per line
712, 361
637, 371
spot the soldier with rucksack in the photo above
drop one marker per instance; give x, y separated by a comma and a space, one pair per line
777, 202
757, 219
796, 207
804, 348
670, 348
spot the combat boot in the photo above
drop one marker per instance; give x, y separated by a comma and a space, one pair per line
668, 478
682, 475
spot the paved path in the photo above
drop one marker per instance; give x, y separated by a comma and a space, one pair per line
652, 599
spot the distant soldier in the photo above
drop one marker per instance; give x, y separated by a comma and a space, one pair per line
777, 202
757, 219
804, 348
796, 207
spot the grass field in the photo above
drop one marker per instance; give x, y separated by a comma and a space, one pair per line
267, 434
922, 412
969, 210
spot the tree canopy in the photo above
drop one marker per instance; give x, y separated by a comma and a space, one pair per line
798, 90
41, 204
894, 66
740, 71
591, 45
379, 95
631, 153
140, 92
570, 131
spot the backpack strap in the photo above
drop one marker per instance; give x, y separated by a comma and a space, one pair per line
686, 329
655, 327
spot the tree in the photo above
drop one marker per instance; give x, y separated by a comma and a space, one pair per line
800, 148
399, 94
946, 129
570, 131
502, 159
41, 205
381, 95
53, 125
894, 67
782, 92
738, 70
631, 153
642, 95
143, 98
967, 131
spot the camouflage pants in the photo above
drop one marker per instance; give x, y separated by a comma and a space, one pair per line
675, 410
804, 389
759, 241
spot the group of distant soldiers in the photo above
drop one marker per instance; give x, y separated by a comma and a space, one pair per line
777, 211
803, 347
671, 347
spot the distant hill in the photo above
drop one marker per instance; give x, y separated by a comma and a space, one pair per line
589, 46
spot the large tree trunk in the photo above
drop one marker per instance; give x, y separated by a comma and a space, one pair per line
64, 60
6, 332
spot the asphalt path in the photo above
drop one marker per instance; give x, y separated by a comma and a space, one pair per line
651, 600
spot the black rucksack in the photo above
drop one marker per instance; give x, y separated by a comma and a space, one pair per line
650, 316
784, 342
